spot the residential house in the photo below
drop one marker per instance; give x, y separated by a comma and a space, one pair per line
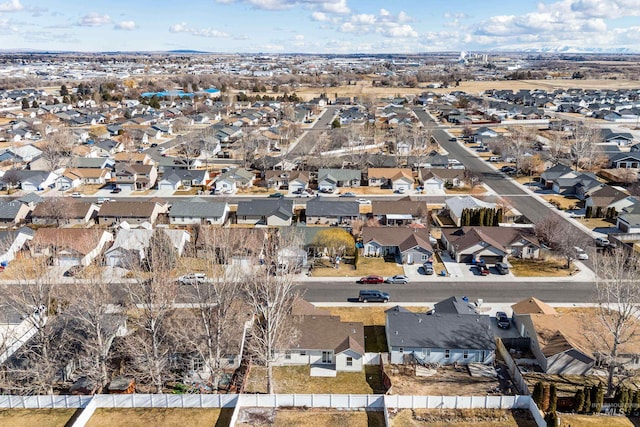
549, 176
13, 213
36, 180
114, 213
407, 245
321, 211
294, 181
108, 147
130, 246
577, 184
92, 162
553, 339
198, 211
225, 244
12, 242
323, 342
443, 338
175, 178
626, 160
439, 178
71, 246
232, 180
66, 213
398, 179
398, 212
74, 177
619, 138
628, 221
491, 244
456, 205
329, 180
135, 176
603, 197
265, 212
133, 157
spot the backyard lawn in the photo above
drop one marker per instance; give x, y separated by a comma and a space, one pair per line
569, 420
309, 417
35, 417
462, 418
297, 379
160, 417
562, 202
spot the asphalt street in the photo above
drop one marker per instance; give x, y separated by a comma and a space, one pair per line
550, 292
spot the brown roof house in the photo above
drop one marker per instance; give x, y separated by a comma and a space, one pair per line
398, 212
405, 244
64, 212
114, 213
135, 176
491, 244
398, 179
69, 247
324, 342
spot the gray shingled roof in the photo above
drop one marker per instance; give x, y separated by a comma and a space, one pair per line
280, 207
445, 331
332, 208
9, 210
339, 174
197, 209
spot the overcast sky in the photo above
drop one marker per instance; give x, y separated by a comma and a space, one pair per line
318, 26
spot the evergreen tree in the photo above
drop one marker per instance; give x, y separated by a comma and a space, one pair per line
588, 212
538, 391
498, 219
34, 104
578, 401
25, 103
552, 419
64, 91
553, 398
587, 409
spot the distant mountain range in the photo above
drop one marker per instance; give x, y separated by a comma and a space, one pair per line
565, 49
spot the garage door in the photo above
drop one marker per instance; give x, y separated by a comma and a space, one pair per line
491, 259
466, 258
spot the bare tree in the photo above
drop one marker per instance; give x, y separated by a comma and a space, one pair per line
152, 299
56, 209
584, 148
519, 143
216, 303
271, 294
618, 298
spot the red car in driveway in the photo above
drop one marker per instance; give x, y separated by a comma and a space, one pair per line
371, 279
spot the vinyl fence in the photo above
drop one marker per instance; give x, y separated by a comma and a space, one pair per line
514, 371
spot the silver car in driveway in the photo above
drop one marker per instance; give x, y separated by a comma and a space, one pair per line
398, 278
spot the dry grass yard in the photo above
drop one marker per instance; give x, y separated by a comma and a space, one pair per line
575, 420
462, 418
366, 266
35, 417
540, 268
160, 417
308, 417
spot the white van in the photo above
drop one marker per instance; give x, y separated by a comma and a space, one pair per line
494, 159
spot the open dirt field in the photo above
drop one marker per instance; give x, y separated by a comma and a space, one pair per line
169, 417
446, 382
365, 87
308, 417
35, 417
462, 418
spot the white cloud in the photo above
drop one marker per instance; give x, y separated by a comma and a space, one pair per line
397, 31
94, 19
363, 19
11, 6
182, 27
125, 25
319, 16
299, 37
385, 24
339, 7
384, 12
348, 27
335, 6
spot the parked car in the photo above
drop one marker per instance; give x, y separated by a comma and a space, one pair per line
580, 253
373, 296
154, 145
482, 268
364, 201
192, 278
453, 139
508, 169
495, 158
371, 279
398, 278
73, 271
502, 268
116, 190
428, 268
161, 149
348, 194
602, 242
503, 320
276, 195
76, 195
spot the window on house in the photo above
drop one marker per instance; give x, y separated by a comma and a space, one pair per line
465, 354
287, 355
349, 361
447, 354
401, 350
303, 352
427, 352
198, 364
425, 257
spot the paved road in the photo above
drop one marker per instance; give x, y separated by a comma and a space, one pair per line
550, 292
528, 205
306, 145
